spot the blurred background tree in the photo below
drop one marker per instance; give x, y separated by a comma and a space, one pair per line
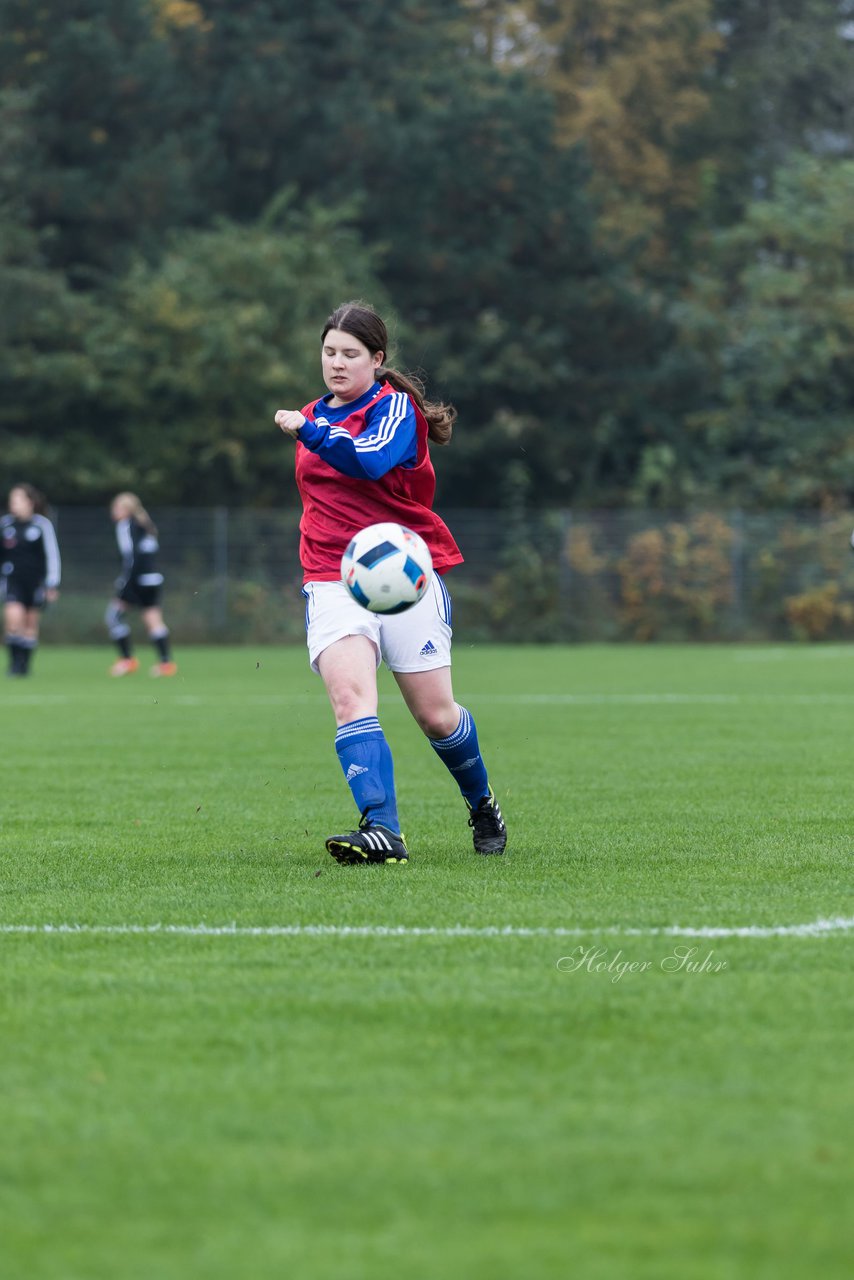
771, 325
629, 77
556, 201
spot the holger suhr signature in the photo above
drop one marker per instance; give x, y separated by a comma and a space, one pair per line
680, 959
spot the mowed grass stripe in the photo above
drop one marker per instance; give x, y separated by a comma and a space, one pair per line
664, 699
446, 1098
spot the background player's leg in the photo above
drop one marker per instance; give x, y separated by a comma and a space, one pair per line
117, 625
13, 623
29, 640
158, 633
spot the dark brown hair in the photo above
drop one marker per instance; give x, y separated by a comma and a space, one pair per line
361, 321
35, 496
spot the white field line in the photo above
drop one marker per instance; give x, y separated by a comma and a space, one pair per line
814, 929
669, 699
662, 699
796, 652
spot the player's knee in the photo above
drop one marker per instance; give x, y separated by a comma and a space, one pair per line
114, 617
351, 703
437, 722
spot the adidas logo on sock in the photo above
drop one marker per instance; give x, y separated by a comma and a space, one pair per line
354, 771
429, 650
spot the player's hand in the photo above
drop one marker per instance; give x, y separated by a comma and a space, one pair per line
291, 421
51, 595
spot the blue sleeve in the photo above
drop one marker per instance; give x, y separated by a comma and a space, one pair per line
388, 440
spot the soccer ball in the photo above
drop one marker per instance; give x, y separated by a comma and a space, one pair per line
386, 568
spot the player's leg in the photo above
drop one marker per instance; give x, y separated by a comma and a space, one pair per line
29, 639
344, 650
417, 648
348, 669
429, 696
119, 631
13, 627
158, 633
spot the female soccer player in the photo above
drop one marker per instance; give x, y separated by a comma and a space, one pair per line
140, 584
29, 575
362, 457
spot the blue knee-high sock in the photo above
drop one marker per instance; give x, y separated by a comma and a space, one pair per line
368, 767
460, 753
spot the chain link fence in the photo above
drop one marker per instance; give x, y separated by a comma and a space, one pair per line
546, 576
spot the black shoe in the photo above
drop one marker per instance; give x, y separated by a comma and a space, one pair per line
488, 830
371, 843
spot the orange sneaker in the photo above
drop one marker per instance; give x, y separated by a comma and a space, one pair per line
124, 667
165, 669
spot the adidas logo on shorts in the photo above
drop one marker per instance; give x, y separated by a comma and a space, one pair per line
429, 650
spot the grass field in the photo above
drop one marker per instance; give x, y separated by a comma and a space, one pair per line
466, 1067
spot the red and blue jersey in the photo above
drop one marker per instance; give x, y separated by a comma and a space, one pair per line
361, 463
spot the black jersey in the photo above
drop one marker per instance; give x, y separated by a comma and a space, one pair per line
30, 552
139, 548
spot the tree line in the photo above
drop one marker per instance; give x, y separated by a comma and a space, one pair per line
617, 234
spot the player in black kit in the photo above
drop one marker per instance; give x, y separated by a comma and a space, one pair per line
29, 573
139, 584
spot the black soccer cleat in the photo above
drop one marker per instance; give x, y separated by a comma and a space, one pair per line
372, 843
488, 830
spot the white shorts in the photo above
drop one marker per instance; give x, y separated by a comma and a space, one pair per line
416, 640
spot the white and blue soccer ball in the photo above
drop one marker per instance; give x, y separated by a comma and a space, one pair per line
386, 568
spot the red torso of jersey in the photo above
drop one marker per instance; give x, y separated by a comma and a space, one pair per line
336, 506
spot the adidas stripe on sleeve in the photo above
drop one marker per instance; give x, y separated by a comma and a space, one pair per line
387, 441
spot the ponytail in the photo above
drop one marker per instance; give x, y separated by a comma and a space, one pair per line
440, 417
134, 508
